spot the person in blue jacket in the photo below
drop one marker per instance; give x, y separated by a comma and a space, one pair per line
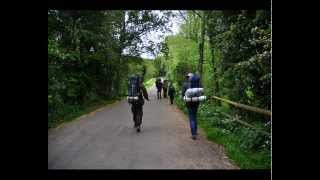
192, 81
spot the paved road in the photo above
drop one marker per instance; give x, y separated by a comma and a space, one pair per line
106, 139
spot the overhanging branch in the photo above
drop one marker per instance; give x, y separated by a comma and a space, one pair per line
196, 13
183, 16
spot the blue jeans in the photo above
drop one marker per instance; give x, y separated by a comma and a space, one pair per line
193, 119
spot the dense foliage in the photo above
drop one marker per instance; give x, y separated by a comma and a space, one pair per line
236, 65
91, 54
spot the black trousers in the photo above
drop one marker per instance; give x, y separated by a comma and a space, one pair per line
137, 114
159, 93
165, 92
171, 99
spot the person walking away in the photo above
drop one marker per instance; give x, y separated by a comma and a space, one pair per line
137, 105
165, 88
192, 81
156, 84
159, 87
171, 92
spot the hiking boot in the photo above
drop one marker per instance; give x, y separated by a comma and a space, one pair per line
194, 137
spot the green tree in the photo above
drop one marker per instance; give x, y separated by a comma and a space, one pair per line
86, 52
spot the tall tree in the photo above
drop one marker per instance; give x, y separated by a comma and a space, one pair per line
201, 43
213, 30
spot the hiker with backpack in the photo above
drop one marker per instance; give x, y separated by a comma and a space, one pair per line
192, 95
159, 87
171, 92
136, 95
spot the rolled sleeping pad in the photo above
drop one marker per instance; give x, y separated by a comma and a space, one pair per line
194, 99
191, 92
132, 97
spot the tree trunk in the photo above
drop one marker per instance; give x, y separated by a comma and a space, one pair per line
217, 88
201, 44
215, 73
122, 39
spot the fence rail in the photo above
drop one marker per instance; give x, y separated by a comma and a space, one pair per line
246, 107
243, 106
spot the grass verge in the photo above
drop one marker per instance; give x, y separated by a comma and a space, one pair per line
243, 158
74, 112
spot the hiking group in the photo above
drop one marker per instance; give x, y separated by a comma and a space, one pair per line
167, 91
192, 94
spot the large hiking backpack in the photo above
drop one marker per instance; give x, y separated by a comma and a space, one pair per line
194, 93
133, 88
194, 81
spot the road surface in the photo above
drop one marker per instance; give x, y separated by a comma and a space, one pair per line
106, 139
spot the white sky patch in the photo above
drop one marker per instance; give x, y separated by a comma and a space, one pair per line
155, 35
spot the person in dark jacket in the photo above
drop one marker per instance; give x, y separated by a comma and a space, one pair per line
192, 107
137, 107
171, 92
159, 87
